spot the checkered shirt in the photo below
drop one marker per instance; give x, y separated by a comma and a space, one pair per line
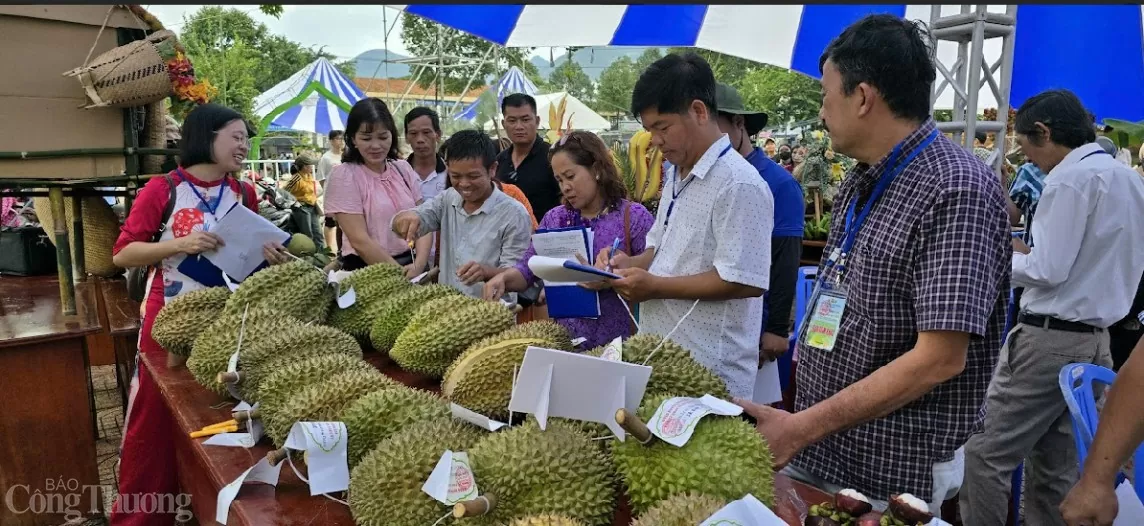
933, 255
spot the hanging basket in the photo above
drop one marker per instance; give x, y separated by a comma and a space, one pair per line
100, 230
131, 75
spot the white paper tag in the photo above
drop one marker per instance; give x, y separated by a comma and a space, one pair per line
231, 367
768, 388
325, 447
247, 439
230, 284
579, 341
336, 276
613, 351
1131, 509
747, 511
675, 420
419, 277
477, 419
452, 479
347, 299
261, 472
507, 304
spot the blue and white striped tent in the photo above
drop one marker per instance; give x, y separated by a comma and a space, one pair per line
513, 81
315, 113
1095, 50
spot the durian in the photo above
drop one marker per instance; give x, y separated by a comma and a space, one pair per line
185, 317
725, 458
322, 401
443, 328
212, 350
394, 312
378, 415
674, 370
545, 520
385, 486
371, 285
280, 384
295, 289
687, 509
532, 471
481, 378
292, 344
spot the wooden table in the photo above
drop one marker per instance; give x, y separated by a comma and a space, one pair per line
123, 322
47, 428
204, 470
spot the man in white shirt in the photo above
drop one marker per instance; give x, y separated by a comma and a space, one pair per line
708, 256
1079, 279
326, 165
422, 134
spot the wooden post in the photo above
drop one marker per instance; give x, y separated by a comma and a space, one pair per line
63, 250
77, 227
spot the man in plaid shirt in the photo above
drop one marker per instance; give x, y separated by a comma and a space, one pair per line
889, 408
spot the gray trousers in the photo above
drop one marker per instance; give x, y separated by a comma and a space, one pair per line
1026, 419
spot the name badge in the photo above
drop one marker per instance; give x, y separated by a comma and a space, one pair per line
825, 320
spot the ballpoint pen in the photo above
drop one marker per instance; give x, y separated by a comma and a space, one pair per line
612, 254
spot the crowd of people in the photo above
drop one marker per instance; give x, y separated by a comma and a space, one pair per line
907, 380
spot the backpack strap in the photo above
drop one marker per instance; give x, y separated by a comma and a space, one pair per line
168, 210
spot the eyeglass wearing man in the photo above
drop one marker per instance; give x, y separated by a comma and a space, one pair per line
740, 125
708, 254
1079, 279
526, 163
887, 407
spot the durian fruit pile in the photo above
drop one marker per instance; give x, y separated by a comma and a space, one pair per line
674, 371
394, 312
212, 350
443, 328
295, 289
372, 285
185, 317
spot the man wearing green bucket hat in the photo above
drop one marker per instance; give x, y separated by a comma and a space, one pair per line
740, 124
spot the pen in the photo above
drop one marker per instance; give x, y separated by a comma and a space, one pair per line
612, 254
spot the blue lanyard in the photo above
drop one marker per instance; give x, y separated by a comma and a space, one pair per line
854, 221
675, 181
221, 188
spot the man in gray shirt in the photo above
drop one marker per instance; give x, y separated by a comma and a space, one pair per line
482, 230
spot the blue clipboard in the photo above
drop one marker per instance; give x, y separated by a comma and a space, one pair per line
574, 265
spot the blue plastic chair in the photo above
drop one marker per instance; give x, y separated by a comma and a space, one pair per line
804, 287
1076, 381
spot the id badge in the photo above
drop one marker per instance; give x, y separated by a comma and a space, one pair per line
824, 319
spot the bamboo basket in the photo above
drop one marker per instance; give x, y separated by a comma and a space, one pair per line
127, 76
100, 230
155, 136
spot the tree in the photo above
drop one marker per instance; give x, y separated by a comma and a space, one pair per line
274, 10
426, 38
570, 77
614, 92
728, 69
784, 94
649, 56
230, 71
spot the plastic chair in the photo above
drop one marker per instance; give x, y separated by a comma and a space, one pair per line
804, 287
1076, 381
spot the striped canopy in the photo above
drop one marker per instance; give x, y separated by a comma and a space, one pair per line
1096, 51
513, 81
315, 113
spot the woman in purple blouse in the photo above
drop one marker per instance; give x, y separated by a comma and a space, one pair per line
594, 196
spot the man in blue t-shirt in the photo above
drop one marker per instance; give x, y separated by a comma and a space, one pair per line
790, 208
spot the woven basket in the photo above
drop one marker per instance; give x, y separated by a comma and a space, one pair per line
127, 76
100, 230
155, 136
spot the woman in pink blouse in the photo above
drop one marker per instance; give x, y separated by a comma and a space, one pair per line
370, 187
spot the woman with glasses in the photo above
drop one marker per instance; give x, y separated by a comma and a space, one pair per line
203, 188
593, 196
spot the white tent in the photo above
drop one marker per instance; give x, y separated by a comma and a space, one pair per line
315, 112
581, 116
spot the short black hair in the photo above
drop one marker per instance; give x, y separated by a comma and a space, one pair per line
1060, 110
336, 134
373, 111
199, 132
517, 100
891, 54
422, 111
981, 136
672, 83
470, 144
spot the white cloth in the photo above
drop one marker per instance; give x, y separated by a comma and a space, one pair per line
1089, 229
326, 165
721, 220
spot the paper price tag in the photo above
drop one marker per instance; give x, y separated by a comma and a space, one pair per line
579, 341
747, 511
230, 284
477, 419
675, 420
261, 472
1131, 509
336, 276
347, 299
325, 447
614, 350
452, 479
246, 440
419, 277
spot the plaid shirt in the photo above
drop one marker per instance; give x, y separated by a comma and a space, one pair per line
933, 255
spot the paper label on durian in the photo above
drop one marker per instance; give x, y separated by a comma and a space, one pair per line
325, 447
260, 472
475, 418
675, 420
246, 439
613, 351
747, 511
348, 299
452, 480
230, 284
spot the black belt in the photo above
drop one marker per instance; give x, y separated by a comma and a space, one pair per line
1049, 322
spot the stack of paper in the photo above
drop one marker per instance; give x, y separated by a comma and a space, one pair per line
567, 299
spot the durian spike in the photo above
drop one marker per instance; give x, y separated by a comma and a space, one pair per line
634, 426
482, 505
277, 456
430, 276
229, 377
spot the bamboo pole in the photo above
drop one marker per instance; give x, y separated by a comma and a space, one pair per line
78, 261
63, 250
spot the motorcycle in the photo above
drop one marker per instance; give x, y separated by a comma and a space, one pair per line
277, 205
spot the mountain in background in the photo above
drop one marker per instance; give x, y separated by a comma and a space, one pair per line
593, 60
371, 64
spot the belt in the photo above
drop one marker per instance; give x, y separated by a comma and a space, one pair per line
1049, 322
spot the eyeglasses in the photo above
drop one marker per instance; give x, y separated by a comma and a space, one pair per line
564, 139
241, 139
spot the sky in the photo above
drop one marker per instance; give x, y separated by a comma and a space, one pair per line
344, 30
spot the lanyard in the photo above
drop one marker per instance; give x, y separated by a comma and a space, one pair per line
675, 181
206, 204
854, 221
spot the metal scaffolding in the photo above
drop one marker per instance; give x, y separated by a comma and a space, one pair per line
970, 72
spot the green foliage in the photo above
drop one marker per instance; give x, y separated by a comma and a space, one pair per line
570, 77
229, 70
426, 38
614, 92
728, 69
785, 95
274, 10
